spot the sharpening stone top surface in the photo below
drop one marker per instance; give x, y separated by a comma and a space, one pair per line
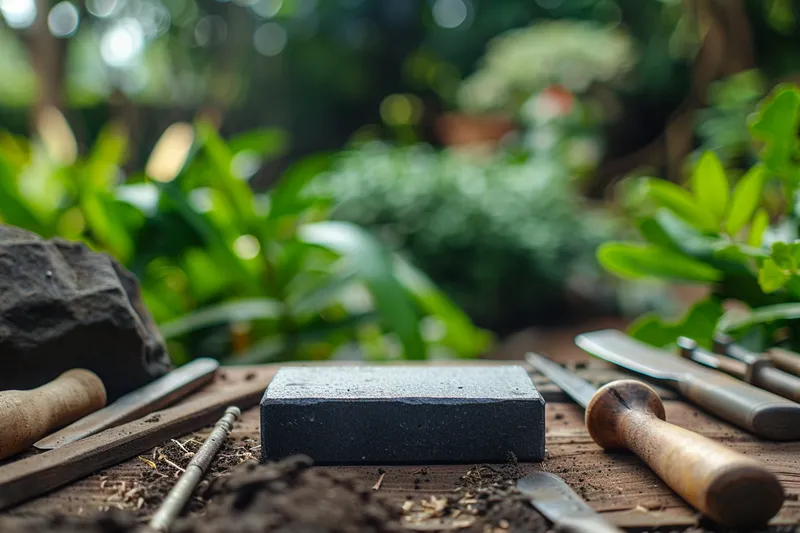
465, 383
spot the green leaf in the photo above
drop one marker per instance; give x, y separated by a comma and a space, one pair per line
699, 323
746, 198
373, 264
735, 321
680, 202
323, 295
772, 277
775, 123
286, 196
462, 336
758, 227
107, 155
784, 255
266, 142
225, 313
103, 218
633, 260
236, 190
215, 241
654, 233
710, 185
13, 208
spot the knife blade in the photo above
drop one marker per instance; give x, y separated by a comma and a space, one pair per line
552, 497
748, 366
154, 396
758, 411
731, 488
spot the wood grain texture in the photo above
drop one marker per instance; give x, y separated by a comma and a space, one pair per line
28, 415
40, 473
619, 485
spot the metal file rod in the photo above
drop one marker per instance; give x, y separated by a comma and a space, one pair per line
179, 495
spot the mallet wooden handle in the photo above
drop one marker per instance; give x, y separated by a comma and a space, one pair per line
27, 416
729, 487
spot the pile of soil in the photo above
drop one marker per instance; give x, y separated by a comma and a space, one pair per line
290, 497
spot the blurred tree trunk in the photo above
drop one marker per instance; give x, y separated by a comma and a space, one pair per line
726, 48
47, 56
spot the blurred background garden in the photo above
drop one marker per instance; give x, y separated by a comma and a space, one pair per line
314, 179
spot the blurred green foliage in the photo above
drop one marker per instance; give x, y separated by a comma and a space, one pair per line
518, 64
224, 270
722, 125
719, 230
506, 236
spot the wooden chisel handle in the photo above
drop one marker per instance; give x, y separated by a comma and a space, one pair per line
727, 486
27, 416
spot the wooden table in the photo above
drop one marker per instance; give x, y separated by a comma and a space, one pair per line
617, 485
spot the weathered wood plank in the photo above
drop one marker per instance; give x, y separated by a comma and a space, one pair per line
618, 485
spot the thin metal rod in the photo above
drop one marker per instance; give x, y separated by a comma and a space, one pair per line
177, 498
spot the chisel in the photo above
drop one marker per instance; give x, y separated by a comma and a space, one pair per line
750, 367
785, 360
756, 410
552, 497
732, 489
156, 395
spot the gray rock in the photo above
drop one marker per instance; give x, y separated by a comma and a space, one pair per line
402, 414
63, 306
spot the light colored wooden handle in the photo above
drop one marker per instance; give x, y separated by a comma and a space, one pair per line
27, 416
587, 524
727, 486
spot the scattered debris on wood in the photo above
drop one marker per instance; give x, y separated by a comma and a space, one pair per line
162, 468
377, 485
486, 501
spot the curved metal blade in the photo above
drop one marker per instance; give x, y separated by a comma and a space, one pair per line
553, 497
576, 387
616, 347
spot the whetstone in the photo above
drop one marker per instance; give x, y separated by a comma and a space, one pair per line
403, 415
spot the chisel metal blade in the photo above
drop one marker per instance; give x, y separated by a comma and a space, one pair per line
552, 497
577, 388
156, 395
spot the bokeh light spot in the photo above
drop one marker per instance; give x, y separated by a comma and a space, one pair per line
246, 246
267, 8
450, 13
122, 43
102, 8
270, 39
19, 14
63, 19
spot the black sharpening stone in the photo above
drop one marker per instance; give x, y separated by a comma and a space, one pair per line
402, 414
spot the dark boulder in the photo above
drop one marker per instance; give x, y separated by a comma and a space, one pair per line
64, 306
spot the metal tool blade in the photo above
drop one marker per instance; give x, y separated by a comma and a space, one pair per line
576, 387
152, 397
690, 350
552, 497
620, 349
